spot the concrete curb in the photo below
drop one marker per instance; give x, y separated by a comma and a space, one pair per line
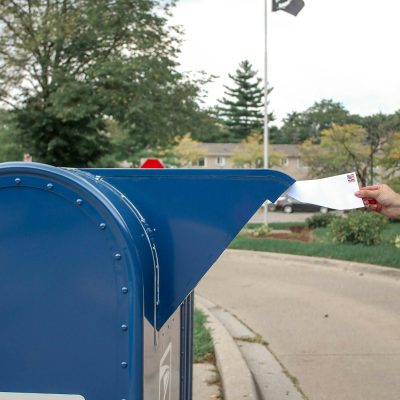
237, 382
270, 378
351, 266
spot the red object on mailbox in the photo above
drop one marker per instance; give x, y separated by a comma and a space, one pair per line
152, 163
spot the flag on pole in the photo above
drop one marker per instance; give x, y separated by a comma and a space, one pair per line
290, 6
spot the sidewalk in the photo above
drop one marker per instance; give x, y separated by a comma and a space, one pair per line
247, 368
333, 324
205, 377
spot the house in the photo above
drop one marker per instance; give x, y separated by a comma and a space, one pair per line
219, 155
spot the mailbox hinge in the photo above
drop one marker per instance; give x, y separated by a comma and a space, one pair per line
156, 293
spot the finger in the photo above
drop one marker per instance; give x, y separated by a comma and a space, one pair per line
375, 207
371, 193
371, 187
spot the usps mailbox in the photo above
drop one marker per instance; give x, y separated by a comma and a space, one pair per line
97, 269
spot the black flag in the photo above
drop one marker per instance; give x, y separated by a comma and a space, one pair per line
291, 6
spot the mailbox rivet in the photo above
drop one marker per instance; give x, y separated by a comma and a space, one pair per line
17, 181
124, 364
49, 186
124, 327
124, 290
117, 256
102, 226
79, 202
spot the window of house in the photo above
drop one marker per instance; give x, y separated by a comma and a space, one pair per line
220, 161
201, 162
285, 162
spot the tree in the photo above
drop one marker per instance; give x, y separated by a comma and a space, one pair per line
250, 154
295, 129
184, 152
383, 141
389, 131
207, 126
300, 126
390, 159
10, 150
341, 149
67, 65
187, 151
242, 108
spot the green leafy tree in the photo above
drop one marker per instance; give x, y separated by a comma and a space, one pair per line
341, 149
390, 158
300, 126
362, 148
250, 154
187, 151
65, 66
242, 107
378, 133
383, 141
184, 152
10, 150
208, 126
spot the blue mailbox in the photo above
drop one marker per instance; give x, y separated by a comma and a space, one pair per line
97, 270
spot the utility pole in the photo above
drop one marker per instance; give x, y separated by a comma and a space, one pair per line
266, 133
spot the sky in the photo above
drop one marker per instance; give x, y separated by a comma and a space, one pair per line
345, 50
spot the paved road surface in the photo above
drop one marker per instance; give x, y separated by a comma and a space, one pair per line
336, 330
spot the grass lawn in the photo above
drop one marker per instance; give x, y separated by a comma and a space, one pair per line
203, 349
322, 246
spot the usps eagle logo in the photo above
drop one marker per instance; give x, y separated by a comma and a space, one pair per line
164, 389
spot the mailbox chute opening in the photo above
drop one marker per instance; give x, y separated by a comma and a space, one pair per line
193, 215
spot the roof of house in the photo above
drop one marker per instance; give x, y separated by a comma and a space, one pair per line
291, 150
220, 149
226, 149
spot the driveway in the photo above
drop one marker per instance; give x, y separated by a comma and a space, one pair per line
280, 216
334, 326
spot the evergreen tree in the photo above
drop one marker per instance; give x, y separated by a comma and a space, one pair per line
242, 107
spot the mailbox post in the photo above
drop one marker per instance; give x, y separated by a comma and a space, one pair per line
97, 271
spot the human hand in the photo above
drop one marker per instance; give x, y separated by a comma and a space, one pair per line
382, 199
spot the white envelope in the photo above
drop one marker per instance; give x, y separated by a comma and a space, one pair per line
335, 192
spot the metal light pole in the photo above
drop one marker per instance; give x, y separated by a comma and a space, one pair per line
265, 100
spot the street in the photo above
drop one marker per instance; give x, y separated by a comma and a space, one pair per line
335, 327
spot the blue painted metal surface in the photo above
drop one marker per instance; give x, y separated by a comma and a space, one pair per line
86, 254
193, 215
61, 278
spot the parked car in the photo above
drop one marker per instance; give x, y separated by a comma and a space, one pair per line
288, 205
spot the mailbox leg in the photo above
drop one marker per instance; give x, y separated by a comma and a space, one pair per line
187, 308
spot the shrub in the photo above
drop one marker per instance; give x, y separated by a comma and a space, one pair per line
261, 230
256, 230
320, 220
359, 227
